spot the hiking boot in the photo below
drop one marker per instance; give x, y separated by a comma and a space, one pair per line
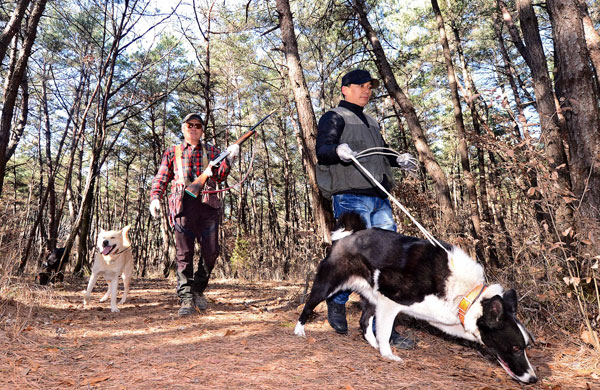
200, 300
187, 308
336, 316
401, 342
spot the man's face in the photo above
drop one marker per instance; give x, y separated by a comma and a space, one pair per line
358, 94
192, 131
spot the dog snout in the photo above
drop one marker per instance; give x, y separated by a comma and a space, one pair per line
105, 243
533, 379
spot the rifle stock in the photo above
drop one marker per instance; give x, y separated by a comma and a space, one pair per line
195, 187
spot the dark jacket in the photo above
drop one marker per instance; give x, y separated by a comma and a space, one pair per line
330, 129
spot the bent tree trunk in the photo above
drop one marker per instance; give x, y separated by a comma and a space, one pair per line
306, 116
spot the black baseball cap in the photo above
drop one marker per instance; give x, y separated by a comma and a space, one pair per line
191, 116
359, 76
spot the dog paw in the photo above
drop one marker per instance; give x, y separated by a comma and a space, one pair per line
370, 337
299, 330
114, 309
122, 301
393, 357
104, 298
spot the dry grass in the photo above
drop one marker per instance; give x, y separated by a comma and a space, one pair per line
244, 340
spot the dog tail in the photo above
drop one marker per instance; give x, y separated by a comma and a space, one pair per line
347, 224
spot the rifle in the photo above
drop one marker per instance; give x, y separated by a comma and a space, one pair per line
195, 187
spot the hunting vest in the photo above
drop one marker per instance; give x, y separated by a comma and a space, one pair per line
183, 177
346, 176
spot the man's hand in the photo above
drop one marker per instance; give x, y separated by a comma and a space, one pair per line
407, 162
234, 151
345, 153
155, 208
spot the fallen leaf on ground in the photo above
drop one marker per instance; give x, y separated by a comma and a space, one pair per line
66, 382
588, 337
96, 379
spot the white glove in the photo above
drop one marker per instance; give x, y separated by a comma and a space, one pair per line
208, 171
407, 162
234, 151
155, 208
345, 153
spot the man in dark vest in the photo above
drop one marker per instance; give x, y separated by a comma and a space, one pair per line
342, 132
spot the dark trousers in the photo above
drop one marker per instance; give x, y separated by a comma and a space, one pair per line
198, 222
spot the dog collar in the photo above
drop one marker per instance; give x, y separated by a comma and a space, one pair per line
467, 301
124, 250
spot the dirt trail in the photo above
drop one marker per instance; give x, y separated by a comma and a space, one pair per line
244, 340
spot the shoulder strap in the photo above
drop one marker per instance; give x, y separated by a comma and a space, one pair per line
204, 156
178, 164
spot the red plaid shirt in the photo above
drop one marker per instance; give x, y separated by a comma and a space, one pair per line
191, 159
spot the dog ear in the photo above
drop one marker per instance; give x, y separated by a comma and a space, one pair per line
493, 311
510, 302
125, 232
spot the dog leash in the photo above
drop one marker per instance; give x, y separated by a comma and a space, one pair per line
468, 299
391, 152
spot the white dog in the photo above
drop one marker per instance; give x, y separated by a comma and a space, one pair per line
114, 259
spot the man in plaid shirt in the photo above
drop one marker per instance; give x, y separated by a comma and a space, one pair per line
199, 218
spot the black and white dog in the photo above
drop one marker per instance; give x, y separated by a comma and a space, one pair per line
443, 286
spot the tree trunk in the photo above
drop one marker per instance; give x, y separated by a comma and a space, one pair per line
12, 27
535, 58
592, 39
575, 90
463, 150
14, 80
306, 117
470, 94
509, 73
425, 154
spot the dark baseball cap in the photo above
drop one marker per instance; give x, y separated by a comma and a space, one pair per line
359, 76
191, 116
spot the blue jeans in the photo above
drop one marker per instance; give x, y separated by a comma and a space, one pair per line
376, 212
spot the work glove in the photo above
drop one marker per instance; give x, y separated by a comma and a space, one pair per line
208, 171
345, 153
234, 151
155, 208
407, 162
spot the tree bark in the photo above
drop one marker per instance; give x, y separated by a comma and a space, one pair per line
533, 53
575, 90
592, 39
306, 117
425, 154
